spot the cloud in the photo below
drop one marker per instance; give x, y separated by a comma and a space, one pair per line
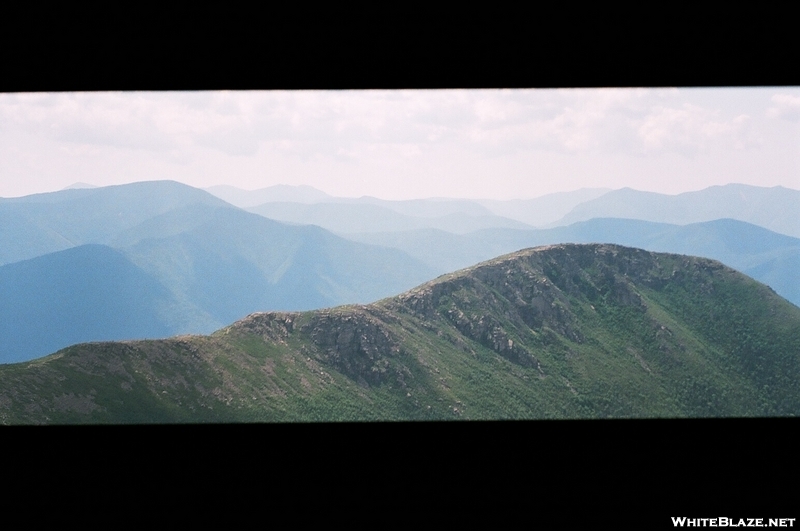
633, 122
566, 121
345, 125
106, 119
787, 106
691, 129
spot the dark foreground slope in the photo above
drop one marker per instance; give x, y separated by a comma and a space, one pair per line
565, 331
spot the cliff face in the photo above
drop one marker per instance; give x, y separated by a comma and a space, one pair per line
564, 331
356, 343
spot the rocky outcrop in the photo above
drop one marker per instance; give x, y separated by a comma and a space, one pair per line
505, 305
356, 343
271, 326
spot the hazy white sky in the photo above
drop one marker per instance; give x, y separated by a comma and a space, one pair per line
402, 144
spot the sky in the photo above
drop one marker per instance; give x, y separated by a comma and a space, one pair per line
405, 144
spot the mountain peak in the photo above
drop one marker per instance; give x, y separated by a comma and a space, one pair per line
562, 331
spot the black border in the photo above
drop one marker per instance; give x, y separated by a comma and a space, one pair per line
546, 474
72, 48
556, 473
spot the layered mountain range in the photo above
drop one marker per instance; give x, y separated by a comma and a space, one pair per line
156, 259
752, 229
562, 331
162, 258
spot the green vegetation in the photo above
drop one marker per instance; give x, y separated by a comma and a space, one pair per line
566, 331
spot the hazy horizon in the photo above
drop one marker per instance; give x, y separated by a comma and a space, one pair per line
405, 144
78, 185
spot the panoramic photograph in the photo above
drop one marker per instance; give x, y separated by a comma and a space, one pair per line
399, 255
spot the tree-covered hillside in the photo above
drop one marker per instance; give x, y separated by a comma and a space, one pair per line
565, 331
